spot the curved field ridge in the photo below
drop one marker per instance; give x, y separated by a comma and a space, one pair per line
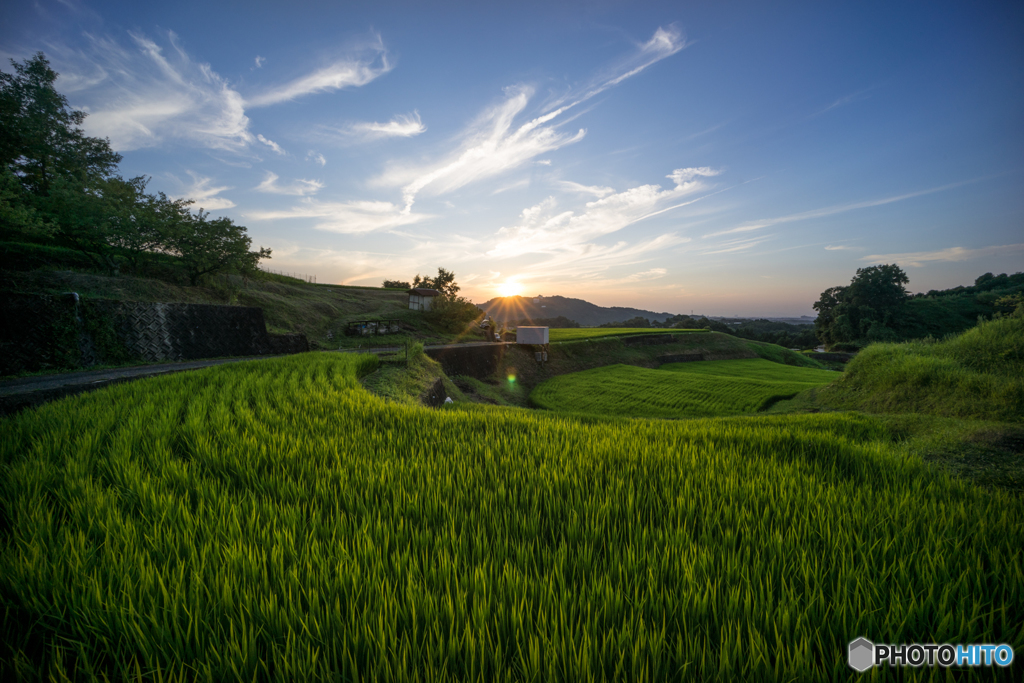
579, 333
273, 521
702, 389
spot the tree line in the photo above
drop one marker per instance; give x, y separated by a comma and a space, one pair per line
60, 186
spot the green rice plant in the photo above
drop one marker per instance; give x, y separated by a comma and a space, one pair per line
578, 333
703, 389
273, 521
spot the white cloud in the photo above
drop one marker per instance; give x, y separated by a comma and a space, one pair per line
345, 73
144, 94
840, 247
299, 188
495, 144
271, 144
352, 217
595, 190
401, 126
259, 61
205, 195
652, 274
920, 258
317, 157
543, 230
832, 210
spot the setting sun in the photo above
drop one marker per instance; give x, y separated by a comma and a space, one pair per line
510, 288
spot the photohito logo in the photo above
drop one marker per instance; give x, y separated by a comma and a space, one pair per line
863, 654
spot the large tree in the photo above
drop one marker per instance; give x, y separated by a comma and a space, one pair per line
208, 246
868, 309
40, 134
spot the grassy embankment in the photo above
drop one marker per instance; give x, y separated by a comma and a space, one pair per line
519, 373
676, 390
587, 333
272, 520
978, 374
289, 305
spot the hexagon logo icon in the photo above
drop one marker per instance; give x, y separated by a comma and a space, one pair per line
862, 654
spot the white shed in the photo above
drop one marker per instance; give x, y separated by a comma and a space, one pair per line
531, 335
421, 298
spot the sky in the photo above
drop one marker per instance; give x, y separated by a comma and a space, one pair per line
731, 158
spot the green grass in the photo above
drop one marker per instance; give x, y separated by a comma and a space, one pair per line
274, 521
978, 374
701, 389
578, 333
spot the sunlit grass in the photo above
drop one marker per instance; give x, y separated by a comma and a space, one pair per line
704, 389
274, 521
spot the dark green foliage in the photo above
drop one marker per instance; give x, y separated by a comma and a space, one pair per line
561, 323
40, 134
396, 284
444, 282
782, 334
59, 183
638, 321
869, 308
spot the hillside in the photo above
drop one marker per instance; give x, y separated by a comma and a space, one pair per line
978, 374
516, 308
319, 311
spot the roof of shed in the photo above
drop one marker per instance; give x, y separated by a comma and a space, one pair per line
423, 291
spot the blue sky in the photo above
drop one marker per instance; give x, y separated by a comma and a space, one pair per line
726, 158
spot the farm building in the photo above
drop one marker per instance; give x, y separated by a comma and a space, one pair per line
532, 335
421, 298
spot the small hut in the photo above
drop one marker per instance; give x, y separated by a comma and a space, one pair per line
421, 298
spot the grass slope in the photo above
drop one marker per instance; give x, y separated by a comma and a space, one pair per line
273, 521
704, 389
321, 312
978, 374
583, 333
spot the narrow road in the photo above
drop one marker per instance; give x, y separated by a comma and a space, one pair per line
24, 392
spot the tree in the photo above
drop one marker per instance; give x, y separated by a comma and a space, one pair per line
209, 246
396, 284
868, 309
444, 282
40, 134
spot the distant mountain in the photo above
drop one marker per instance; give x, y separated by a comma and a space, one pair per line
516, 308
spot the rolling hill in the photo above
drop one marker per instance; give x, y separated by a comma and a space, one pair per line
515, 308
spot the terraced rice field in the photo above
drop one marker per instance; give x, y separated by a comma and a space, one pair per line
675, 390
578, 333
273, 521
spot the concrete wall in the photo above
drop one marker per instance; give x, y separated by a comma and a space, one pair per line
472, 361
64, 332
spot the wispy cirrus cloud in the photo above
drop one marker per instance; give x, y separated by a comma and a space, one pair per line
204, 193
832, 210
917, 259
143, 93
401, 126
353, 217
496, 143
543, 229
841, 247
271, 144
300, 188
344, 73
312, 155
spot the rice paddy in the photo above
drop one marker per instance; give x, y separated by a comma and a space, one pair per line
702, 389
578, 333
272, 520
